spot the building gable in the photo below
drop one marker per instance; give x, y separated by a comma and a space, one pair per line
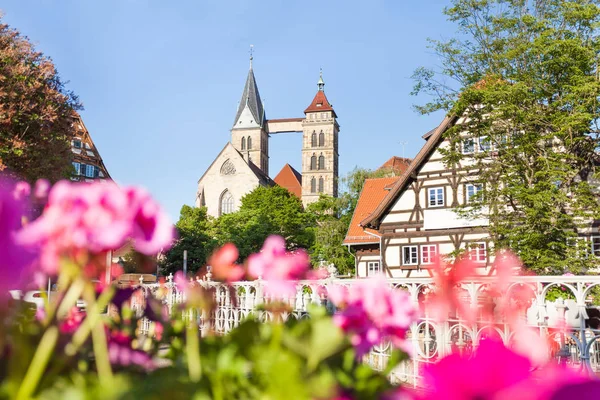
230, 173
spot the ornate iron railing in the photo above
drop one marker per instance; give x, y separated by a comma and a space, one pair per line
431, 339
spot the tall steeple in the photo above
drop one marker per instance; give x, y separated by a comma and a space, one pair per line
321, 83
319, 148
250, 111
249, 132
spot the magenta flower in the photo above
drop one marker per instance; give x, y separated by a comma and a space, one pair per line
72, 322
483, 376
14, 259
95, 218
372, 311
280, 269
22, 190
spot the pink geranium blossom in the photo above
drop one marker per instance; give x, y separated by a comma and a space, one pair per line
94, 218
13, 258
483, 376
495, 372
223, 264
372, 311
279, 268
72, 322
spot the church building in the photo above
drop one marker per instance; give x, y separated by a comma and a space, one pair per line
243, 164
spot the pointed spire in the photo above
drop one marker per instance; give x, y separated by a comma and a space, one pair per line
251, 55
251, 100
321, 83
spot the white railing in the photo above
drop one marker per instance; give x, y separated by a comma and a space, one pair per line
431, 339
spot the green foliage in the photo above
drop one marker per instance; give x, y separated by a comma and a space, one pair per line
331, 227
36, 118
194, 235
284, 212
306, 359
527, 77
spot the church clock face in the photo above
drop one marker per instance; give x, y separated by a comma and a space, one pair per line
227, 168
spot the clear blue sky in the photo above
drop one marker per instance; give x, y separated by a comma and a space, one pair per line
160, 79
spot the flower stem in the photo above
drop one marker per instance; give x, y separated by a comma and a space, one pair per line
38, 364
98, 336
193, 352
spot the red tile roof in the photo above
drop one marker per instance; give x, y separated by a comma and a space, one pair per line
319, 103
396, 164
371, 195
290, 179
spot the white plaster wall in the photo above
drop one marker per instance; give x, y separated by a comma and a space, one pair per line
239, 184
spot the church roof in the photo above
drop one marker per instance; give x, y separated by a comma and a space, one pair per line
396, 164
262, 177
319, 103
290, 179
251, 98
373, 192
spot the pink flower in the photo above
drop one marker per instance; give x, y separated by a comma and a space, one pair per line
223, 264
41, 189
94, 218
13, 257
280, 269
447, 297
492, 369
372, 311
497, 373
22, 190
72, 322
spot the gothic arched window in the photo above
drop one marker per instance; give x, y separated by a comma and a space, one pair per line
226, 203
243, 143
321, 139
314, 139
321, 162
313, 185
313, 162
321, 185
249, 143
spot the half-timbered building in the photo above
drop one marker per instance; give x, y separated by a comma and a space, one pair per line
416, 220
87, 162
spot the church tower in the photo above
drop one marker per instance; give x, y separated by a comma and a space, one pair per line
248, 134
319, 148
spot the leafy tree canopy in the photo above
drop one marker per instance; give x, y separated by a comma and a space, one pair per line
36, 113
195, 231
526, 74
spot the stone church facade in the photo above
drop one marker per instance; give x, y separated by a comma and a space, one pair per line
243, 164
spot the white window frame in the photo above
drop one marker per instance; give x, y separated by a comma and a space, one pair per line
477, 187
595, 249
89, 171
480, 146
373, 268
77, 167
431, 255
464, 142
437, 190
478, 253
414, 252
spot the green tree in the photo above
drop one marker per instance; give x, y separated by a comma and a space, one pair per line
331, 227
194, 230
526, 74
284, 213
36, 117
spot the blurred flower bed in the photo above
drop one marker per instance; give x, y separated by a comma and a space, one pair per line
61, 351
